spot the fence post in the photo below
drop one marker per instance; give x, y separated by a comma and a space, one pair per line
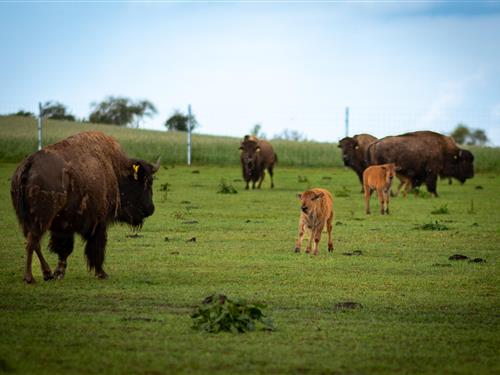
39, 126
346, 121
189, 125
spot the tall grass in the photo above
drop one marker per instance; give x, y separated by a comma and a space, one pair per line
18, 138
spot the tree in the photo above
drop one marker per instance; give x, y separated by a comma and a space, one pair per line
463, 135
460, 134
479, 137
179, 122
121, 111
23, 113
256, 131
291, 135
56, 111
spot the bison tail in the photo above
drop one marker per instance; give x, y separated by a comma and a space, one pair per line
19, 196
275, 157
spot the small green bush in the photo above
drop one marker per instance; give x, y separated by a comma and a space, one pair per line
432, 226
443, 210
217, 313
225, 188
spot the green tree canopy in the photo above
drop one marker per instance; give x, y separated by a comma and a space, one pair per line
23, 113
179, 121
463, 135
56, 111
121, 111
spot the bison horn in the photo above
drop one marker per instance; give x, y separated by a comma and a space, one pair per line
156, 166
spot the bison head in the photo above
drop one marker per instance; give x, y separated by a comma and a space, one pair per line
136, 193
349, 148
461, 166
465, 165
249, 156
307, 200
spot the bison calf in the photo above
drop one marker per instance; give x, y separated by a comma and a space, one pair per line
317, 210
378, 177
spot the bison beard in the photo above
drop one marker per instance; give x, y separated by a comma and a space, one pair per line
79, 185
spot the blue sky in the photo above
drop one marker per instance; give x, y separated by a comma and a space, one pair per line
398, 66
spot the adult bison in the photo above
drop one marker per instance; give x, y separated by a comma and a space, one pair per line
422, 156
354, 151
79, 185
256, 156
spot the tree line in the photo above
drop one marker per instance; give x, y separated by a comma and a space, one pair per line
122, 111
115, 110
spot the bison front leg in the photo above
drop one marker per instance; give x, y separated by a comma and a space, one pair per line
94, 250
317, 238
300, 238
62, 244
386, 201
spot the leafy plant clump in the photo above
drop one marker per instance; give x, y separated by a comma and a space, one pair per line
443, 210
217, 313
432, 226
225, 188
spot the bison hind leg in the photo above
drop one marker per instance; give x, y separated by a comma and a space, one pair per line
33, 245
95, 250
62, 244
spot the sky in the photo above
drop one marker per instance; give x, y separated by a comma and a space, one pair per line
397, 65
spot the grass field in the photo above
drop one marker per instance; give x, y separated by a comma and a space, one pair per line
18, 138
421, 313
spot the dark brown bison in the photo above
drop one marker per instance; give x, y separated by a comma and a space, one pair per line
354, 151
256, 156
79, 185
422, 156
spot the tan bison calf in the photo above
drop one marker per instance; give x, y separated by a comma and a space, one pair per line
317, 210
379, 177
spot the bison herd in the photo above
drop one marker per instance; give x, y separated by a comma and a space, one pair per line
86, 182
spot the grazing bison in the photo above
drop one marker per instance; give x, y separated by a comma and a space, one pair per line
316, 211
256, 156
422, 156
379, 178
354, 151
79, 185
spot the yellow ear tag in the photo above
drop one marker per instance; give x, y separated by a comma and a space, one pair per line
135, 167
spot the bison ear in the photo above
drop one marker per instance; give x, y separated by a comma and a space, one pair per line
299, 195
317, 196
135, 170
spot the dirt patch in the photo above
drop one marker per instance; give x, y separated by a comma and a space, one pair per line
192, 239
477, 260
441, 265
458, 257
355, 253
348, 305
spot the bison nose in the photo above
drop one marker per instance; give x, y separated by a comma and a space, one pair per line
149, 211
304, 209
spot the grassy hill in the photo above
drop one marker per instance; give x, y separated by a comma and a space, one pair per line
18, 138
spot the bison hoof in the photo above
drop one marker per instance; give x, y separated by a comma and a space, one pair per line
297, 249
101, 275
29, 279
330, 248
58, 274
48, 276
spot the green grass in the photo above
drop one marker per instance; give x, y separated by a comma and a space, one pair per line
415, 316
18, 138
